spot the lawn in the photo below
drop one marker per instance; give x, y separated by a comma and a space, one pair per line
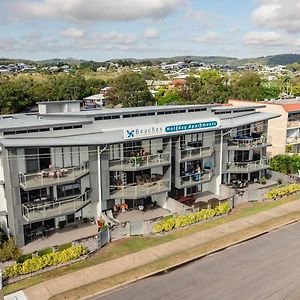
129, 245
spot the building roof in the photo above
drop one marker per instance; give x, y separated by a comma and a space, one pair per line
289, 105
113, 133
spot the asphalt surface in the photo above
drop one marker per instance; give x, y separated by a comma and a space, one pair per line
267, 267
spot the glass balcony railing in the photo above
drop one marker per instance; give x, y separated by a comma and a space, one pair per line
34, 211
245, 142
140, 162
194, 179
191, 153
52, 176
139, 190
246, 167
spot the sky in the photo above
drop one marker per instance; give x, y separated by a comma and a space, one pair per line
105, 29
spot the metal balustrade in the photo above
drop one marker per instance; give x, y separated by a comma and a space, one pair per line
194, 179
189, 153
248, 142
135, 190
34, 211
140, 162
246, 167
52, 176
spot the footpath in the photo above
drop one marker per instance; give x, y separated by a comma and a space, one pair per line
55, 286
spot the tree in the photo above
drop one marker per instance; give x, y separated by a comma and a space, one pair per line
166, 97
153, 74
248, 86
129, 89
209, 86
270, 91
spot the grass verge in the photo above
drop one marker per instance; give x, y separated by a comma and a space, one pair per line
171, 261
126, 246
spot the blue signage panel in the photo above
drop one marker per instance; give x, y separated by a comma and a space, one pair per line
164, 129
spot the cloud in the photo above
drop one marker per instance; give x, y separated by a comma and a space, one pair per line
95, 10
72, 33
115, 37
263, 38
278, 14
209, 37
151, 33
206, 19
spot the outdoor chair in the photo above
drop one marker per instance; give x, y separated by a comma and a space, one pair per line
146, 178
139, 180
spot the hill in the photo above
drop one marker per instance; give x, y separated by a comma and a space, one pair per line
280, 59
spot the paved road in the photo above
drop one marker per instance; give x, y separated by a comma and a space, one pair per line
267, 267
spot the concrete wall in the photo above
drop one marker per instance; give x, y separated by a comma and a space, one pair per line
170, 204
12, 194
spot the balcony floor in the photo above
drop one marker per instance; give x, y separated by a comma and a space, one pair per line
38, 182
136, 215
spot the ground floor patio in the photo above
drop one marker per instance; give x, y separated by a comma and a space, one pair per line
137, 215
62, 236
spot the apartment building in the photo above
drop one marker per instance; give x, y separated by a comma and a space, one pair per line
63, 165
284, 132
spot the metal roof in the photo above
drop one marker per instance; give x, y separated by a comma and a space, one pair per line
114, 134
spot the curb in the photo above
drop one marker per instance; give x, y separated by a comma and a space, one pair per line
188, 261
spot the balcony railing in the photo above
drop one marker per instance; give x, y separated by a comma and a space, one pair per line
246, 167
35, 211
140, 162
293, 123
293, 140
52, 176
189, 153
194, 179
136, 191
248, 142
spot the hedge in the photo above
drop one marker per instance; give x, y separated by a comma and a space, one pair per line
282, 191
40, 262
180, 221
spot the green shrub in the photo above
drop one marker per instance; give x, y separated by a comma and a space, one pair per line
45, 251
41, 262
180, 221
263, 180
282, 191
3, 237
9, 250
64, 246
25, 257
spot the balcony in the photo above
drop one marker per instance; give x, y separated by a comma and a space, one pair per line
140, 162
293, 123
189, 180
33, 212
293, 140
248, 167
52, 176
246, 143
193, 153
140, 190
